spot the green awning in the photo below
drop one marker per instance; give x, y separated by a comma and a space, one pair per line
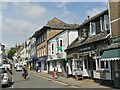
49, 60
113, 54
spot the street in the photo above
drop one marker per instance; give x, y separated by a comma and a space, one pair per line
33, 81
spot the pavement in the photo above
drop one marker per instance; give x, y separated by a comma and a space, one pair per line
85, 83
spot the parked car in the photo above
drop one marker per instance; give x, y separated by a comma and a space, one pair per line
8, 66
6, 75
19, 68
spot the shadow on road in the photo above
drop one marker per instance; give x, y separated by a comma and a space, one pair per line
7, 86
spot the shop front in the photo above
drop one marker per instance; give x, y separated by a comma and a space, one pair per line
41, 63
58, 65
113, 56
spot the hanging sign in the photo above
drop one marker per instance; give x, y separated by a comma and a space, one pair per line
59, 48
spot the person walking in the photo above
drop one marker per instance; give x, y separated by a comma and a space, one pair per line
37, 67
24, 72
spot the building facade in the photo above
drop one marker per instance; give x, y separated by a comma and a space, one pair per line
111, 54
93, 38
52, 28
57, 45
2, 53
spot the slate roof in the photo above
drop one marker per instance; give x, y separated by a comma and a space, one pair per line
95, 38
56, 23
94, 17
113, 46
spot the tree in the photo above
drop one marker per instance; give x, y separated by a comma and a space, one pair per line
11, 52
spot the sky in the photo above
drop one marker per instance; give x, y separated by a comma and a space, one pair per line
20, 20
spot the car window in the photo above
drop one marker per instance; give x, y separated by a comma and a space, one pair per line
2, 70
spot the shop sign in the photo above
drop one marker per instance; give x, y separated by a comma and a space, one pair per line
86, 48
84, 33
102, 75
59, 47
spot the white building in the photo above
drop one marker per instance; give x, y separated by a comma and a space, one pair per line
56, 51
2, 53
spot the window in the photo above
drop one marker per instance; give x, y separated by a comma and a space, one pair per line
106, 23
102, 23
44, 51
61, 44
106, 64
98, 62
52, 48
102, 64
94, 65
92, 28
57, 44
85, 62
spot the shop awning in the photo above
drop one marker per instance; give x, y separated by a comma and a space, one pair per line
113, 54
49, 60
43, 58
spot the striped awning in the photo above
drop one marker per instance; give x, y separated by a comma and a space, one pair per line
111, 55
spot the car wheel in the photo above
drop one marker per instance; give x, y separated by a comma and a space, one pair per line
8, 84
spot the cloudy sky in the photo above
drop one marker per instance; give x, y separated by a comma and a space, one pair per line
21, 19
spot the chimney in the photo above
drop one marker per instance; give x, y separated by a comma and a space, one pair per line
88, 17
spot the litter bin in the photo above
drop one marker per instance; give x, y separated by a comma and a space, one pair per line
117, 82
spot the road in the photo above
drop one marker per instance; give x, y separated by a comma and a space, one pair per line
34, 81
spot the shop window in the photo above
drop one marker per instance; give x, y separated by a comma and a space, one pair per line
102, 64
85, 63
94, 65
106, 64
98, 63
89, 63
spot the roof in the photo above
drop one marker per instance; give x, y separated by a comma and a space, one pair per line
57, 24
94, 17
113, 46
95, 38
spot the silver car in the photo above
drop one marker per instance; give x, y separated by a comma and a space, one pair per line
6, 76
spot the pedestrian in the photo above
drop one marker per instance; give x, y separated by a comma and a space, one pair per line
24, 72
36, 67
56, 73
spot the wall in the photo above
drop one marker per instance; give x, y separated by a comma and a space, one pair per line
114, 15
62, 35
52, 32
72, 36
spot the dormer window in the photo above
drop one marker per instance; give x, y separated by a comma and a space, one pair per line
106, 23
92, 28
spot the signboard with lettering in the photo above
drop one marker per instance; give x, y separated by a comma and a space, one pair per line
84, 33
